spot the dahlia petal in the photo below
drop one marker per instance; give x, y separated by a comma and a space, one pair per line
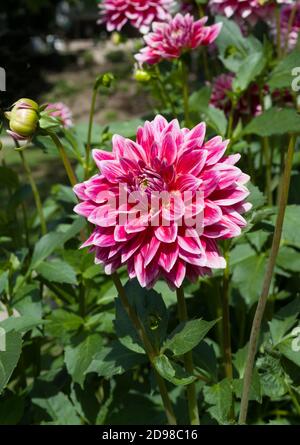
168, 149
166, 234
111, 170
168, 256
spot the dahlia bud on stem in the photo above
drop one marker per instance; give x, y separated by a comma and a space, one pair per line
23, 119
256, 325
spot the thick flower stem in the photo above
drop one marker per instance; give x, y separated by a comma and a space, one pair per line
188, 362
185, 92
89, 135
267, 282
35, 192
148, 348
64, 157
226, 322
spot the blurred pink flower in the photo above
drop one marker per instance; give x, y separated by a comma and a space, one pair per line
170, 39
241, 10
248, 104
289, 25
139, 13
62, 112
164, 241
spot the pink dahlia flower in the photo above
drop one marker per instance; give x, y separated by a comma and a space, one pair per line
241, 10
139, 13
202, 199
61, 112
289, 24
170, 39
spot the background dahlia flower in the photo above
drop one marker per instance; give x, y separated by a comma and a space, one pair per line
289, 25
139, 13
164, 159
248, 104
62, 112
170, 39
241, 10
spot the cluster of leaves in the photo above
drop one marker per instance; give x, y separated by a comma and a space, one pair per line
72, 355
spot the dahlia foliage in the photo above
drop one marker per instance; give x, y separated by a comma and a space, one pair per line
139, 13
161, 203
170, 39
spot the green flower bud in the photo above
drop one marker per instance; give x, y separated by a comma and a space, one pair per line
105, 80
142, 76
23, 118
116, 38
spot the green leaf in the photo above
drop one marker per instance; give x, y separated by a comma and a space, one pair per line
4, 281
63, 324
275, 121
188, 335
255, 388
220, 397
281, 76
11, 408
199, 100
44, 247
256, 197
151, 311
290, 349
171, 371
216, 119
248, 276
284, 320
115, 359
21, 324
291, 220
79, 355
250, 68
10, 356
57, 271
59, 408
272, 377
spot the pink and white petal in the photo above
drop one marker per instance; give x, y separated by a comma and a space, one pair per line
166, 234
168, 256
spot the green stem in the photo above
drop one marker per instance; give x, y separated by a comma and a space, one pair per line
289, 28
64, 157
89, 135
188, 362
185, 92
148, 348
267, 282
81, 300
164, 92
278, 31
35, 192
268, 162
226, 321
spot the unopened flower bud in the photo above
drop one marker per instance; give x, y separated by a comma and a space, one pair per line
116, 38
23, 119
142, 76
104, 80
